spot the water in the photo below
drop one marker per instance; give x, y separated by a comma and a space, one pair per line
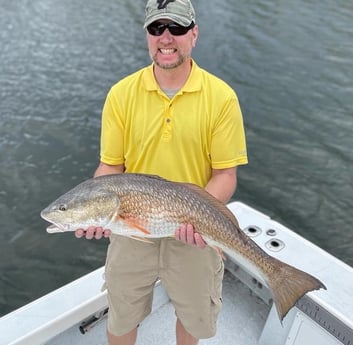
290, 63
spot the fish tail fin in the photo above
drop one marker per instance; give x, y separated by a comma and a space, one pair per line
288, 284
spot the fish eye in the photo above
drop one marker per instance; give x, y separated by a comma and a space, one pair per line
62, 207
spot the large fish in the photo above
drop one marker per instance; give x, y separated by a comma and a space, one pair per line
144, 206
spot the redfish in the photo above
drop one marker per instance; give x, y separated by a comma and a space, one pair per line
144, 206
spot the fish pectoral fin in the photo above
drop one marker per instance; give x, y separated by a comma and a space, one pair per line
141, 239
134, 223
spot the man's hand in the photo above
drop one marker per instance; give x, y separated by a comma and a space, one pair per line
93, 232
187, 234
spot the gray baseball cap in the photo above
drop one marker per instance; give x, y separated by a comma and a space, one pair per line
179, 11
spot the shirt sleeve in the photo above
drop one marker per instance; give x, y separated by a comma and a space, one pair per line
112, 132
228, 146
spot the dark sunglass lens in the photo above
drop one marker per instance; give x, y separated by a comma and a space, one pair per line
177, 30
157, 29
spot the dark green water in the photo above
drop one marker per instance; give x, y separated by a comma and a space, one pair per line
290, 62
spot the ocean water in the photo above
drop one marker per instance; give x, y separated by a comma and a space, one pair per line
289, 62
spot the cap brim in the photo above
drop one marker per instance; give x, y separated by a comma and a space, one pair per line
174, 18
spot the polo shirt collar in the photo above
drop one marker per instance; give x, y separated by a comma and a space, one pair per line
193, 83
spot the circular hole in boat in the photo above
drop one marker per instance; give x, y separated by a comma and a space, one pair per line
252, 230
275, 245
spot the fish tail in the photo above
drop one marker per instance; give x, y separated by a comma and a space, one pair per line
288, 284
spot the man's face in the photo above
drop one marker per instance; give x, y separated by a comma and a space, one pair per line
170, 51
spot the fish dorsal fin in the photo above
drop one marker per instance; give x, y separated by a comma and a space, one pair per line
213, 201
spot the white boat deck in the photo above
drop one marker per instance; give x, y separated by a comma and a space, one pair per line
321, 317
243, 314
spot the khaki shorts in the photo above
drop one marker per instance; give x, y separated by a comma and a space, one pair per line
191, 276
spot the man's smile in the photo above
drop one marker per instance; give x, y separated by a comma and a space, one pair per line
167, 51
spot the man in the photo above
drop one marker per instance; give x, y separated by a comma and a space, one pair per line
175, 120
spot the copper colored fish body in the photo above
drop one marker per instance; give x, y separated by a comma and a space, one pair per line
144, 206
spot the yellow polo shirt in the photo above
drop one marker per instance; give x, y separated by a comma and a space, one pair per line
180, 139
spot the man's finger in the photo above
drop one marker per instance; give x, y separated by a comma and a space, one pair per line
190, 234
98, 233
199, 241
90, 232
183, 233
107, 233
79, 233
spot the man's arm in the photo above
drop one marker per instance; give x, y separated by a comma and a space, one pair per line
222, 184
106, 169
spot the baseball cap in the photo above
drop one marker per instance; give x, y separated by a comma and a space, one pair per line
179, 11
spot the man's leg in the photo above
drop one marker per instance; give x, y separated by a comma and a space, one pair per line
183, 337
193, 280
131, 271
126, 339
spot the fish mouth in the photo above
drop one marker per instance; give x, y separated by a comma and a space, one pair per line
52, 228
55, 227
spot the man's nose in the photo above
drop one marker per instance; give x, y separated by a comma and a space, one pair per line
166, 36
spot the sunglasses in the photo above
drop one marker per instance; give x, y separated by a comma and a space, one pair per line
157, 28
